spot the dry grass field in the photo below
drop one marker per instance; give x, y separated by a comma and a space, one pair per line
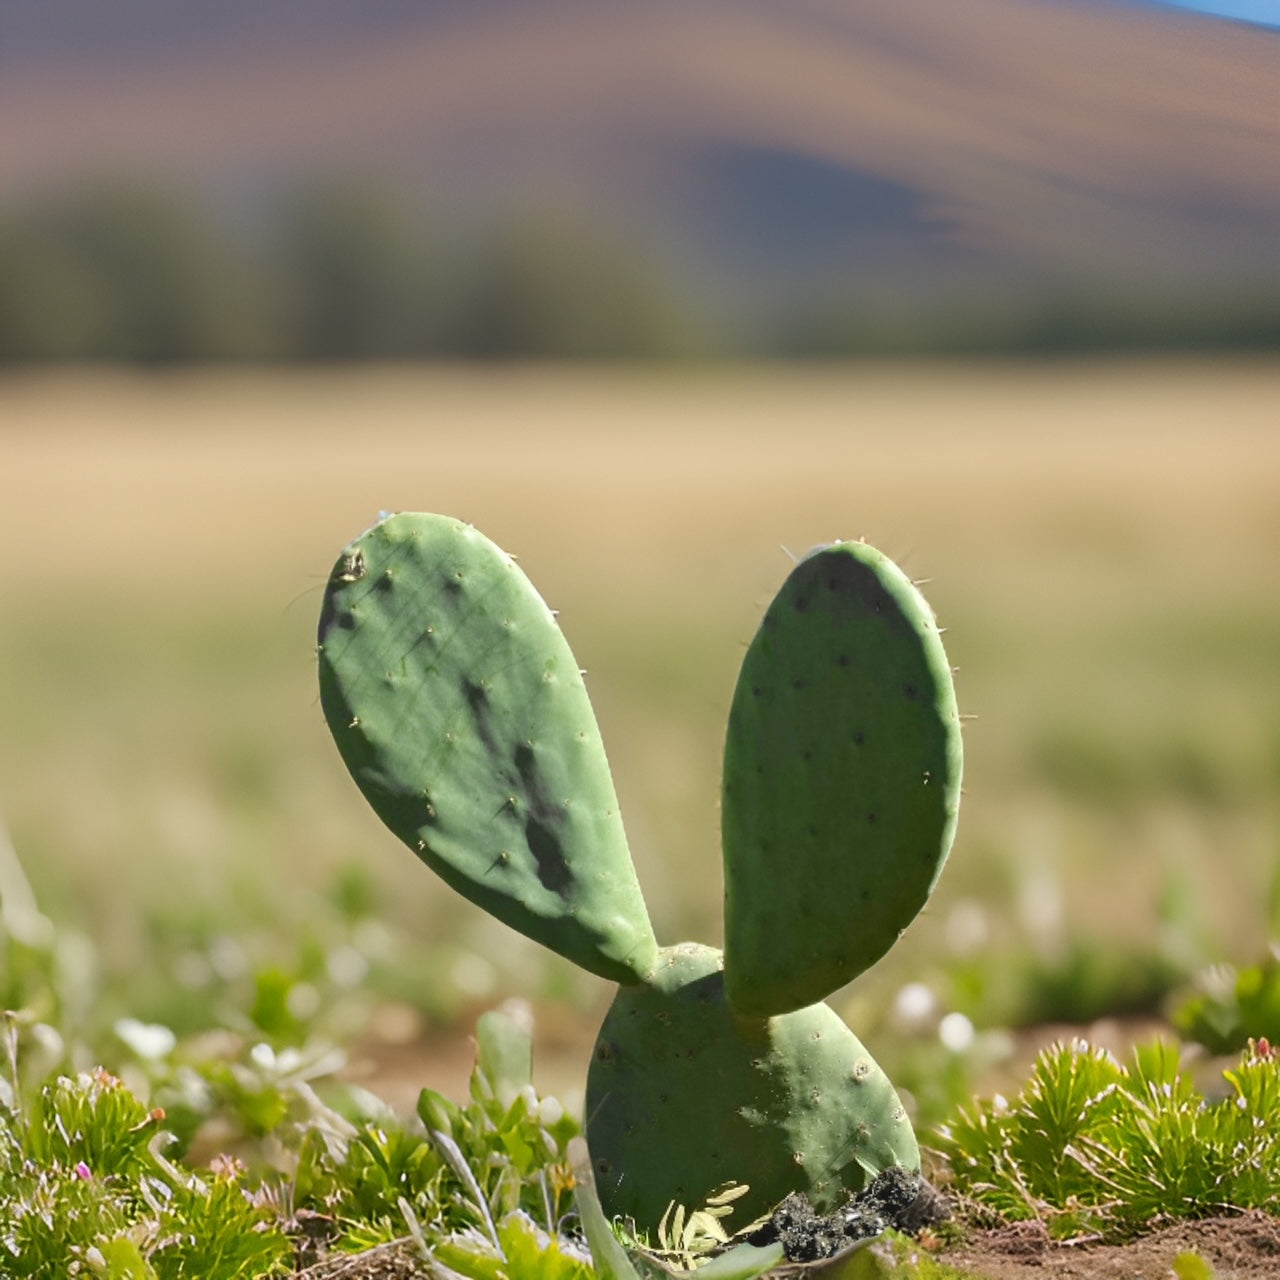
1101, 541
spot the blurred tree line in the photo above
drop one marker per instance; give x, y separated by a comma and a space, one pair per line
347, 270
341, 271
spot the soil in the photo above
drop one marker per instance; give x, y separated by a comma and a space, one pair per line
399, 1260
1242, 1246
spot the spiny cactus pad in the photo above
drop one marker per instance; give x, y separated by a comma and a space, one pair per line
683, 1096
841, 779
461, 713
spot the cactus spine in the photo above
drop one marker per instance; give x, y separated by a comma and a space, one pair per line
460, 712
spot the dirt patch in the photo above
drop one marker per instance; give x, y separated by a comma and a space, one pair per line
1244, 1246
398, 1260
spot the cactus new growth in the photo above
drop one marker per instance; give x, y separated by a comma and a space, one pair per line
461, 713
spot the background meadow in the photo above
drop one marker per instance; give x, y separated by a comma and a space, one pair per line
1098, 539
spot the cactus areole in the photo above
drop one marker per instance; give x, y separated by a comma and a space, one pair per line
461, 713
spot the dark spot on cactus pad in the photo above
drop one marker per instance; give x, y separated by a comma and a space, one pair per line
604, 1052
331, 616
603, 1167
544, 844
802, 604
859, 737
842, 660
797, 683
910, 691
871, 818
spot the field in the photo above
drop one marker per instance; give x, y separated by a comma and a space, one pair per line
1099, 540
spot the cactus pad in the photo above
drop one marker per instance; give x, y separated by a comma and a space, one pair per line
841, 779
461, 713
683, 1096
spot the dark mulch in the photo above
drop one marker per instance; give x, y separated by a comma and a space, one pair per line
895, 1199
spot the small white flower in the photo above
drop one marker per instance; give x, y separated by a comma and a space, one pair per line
347, 967
303, 1001
148, 1040
956, 1032
914, 1005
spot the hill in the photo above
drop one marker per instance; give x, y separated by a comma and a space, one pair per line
759, 150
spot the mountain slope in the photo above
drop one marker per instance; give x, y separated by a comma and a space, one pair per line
1066, 142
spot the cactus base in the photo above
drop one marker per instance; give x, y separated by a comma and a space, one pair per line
683, 1096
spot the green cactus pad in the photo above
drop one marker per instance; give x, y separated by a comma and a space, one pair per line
683, 1096
462, 715
841, 779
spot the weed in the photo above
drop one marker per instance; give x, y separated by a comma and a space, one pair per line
1092, 1146
86, 1190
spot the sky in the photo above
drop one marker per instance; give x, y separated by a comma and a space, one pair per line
1266, 12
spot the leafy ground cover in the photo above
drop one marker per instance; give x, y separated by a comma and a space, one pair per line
98, 1181
1092, 1147
238, 1150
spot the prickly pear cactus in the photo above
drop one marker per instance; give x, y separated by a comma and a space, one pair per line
460, 712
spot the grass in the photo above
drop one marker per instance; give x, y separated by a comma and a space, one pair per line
1095, 550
